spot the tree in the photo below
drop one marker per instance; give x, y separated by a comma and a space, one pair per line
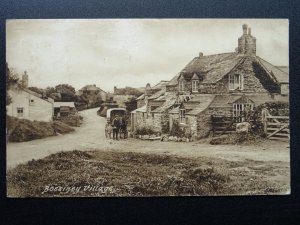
65, 88
49, 91
11, 77
36, 90
67, 92
131, 104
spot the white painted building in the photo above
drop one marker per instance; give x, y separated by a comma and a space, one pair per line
29, 105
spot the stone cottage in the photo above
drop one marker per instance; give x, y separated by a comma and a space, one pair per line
147, 103
221, 84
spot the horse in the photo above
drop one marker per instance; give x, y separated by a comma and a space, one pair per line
123, 128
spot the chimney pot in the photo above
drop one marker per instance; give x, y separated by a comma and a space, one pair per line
245, 26
200, 54
249, 31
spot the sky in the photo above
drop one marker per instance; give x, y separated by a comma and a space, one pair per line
129, 52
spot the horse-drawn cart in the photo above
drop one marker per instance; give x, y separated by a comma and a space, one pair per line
110, 116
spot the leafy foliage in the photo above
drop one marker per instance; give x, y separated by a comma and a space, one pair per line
145, 130
177, 130
128, 91
265, 79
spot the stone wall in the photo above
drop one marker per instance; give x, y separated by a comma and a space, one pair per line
255, 78
220, 87
152, 121
173, 118
191, 121
204, 124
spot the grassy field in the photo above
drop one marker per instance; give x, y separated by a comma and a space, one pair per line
99, 173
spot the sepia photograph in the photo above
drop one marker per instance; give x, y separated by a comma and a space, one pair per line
147, 107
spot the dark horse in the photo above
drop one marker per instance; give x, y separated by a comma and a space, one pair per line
123, 128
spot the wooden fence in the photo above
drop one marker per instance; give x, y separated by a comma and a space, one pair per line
276, 127
224, 124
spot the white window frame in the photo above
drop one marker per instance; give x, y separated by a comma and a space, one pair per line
181, 85
236, 82
182, 117
20, 111
195, 85
238, 109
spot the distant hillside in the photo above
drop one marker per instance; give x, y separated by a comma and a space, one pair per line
127, 91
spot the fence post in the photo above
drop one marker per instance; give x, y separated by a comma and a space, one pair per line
264, 120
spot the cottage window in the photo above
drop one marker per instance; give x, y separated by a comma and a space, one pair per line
31, 102
182, 116
239, 108
236, 82
181, 85
195, 84
20, 112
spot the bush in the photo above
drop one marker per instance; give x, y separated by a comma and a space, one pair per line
72, 120
145, 131
20, 130
276, 108
177, 130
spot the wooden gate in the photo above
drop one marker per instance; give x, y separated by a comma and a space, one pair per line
224, 124
276, 127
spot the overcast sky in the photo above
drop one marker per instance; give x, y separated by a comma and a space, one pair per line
125, 52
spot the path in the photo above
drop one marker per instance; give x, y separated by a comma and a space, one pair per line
90, 136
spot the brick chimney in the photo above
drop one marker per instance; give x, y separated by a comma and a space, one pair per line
25, 80
247, 43
245, 26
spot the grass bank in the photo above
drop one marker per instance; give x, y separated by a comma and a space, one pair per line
19, 130
138, 174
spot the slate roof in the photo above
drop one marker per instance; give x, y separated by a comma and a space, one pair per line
173, 81
280, 74
221, 101
35, 94
162, 84
157, 94
200, 102
59, 104
165, 106
141, 109
161, 98
141, 97
174, 110
211, 68
284, 68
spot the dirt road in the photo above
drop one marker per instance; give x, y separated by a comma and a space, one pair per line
90, 136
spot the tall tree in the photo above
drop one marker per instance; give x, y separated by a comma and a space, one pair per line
67, 92
11, 77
